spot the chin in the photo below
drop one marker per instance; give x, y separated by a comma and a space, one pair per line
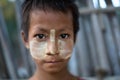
54, 68
53, 71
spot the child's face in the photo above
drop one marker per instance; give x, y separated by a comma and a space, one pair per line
50, 39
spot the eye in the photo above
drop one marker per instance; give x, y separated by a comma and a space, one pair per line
64, 36
40, 36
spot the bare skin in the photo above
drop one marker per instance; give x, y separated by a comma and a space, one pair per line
59, 76
51, 67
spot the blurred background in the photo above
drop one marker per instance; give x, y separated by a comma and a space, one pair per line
96, 55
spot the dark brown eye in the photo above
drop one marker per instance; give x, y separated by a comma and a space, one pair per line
40, 36
64, 36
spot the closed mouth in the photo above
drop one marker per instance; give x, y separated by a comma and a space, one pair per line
53, 61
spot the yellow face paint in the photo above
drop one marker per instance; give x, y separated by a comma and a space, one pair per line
52, 45
52, 35
37, 49
63, 48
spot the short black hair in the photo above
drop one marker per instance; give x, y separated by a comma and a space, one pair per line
55, 5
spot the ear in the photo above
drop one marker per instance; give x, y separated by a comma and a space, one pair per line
25, 41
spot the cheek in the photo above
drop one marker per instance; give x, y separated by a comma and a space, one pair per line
65, 48
37, 49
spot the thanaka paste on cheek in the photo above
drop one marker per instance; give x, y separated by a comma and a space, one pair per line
64, 49
37, 49
60, 47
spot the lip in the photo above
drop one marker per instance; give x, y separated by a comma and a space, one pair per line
53, 61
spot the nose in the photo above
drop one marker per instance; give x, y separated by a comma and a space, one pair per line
53, 48
52, 44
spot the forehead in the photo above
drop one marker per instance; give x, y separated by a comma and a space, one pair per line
51, 20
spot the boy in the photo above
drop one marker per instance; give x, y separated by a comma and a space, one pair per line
49, 29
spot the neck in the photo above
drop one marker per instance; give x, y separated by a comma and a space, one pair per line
43, 75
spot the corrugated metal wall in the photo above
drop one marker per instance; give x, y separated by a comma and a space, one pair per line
97, 51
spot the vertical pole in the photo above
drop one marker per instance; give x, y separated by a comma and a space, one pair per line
116, 33
83, 51
111, 46
101, 50
6, 47
91, 43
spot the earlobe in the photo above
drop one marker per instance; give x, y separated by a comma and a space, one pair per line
25, 41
